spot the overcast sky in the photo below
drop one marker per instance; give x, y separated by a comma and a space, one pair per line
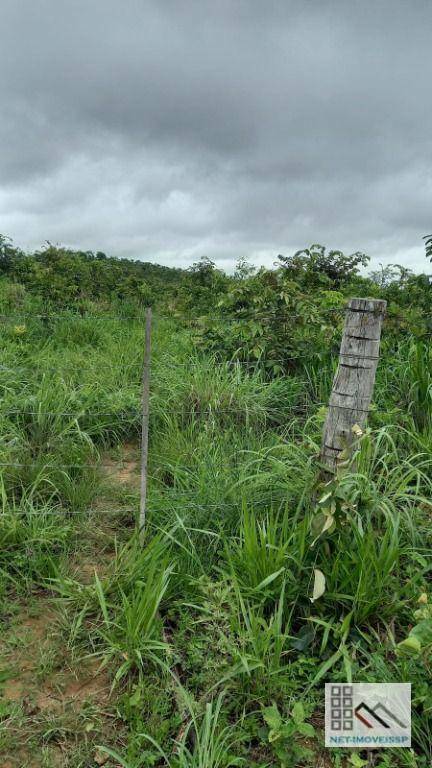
169, 129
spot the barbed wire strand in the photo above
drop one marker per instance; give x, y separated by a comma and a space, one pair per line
125, 416
198, 363
48, 466
127, 510
279, 317
208, 412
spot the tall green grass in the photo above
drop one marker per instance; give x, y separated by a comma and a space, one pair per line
232, 496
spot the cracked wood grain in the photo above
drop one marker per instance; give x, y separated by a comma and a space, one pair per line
354, 380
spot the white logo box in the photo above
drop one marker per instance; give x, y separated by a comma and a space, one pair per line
367, 715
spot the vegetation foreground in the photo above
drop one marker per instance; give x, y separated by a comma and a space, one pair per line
208, 646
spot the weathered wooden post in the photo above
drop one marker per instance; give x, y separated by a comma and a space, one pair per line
355, 378
145, 422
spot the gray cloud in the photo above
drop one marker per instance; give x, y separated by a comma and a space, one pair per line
164, 131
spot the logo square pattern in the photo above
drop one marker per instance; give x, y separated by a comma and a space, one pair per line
342, 708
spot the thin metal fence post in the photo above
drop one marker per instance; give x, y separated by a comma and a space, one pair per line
145, 423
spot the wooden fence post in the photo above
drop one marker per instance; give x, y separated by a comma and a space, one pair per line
355, 378
145, 422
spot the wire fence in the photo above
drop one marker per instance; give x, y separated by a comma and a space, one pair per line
175, 316
200, 363
249, 315
61, 317
252, 410
134, 414
248, 412
44, 466
168, 505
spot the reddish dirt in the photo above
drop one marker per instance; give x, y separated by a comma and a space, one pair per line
62, 687
125, 470
59, 692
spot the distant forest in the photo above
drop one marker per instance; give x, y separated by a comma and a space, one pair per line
313, 279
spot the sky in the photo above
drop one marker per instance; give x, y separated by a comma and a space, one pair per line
167, 130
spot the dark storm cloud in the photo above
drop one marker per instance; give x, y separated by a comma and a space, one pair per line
166, 130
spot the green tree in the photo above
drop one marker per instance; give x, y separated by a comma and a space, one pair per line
314, 266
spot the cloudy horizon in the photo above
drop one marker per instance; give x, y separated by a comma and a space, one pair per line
168, 131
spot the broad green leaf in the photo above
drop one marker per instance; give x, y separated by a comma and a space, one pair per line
317, 523
274, 735
409, 647
306, 729
423, 613
423, 632
320, 524
298, 713
272, 717
303, 639
135, 698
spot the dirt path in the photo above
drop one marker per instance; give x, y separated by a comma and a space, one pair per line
56, 705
